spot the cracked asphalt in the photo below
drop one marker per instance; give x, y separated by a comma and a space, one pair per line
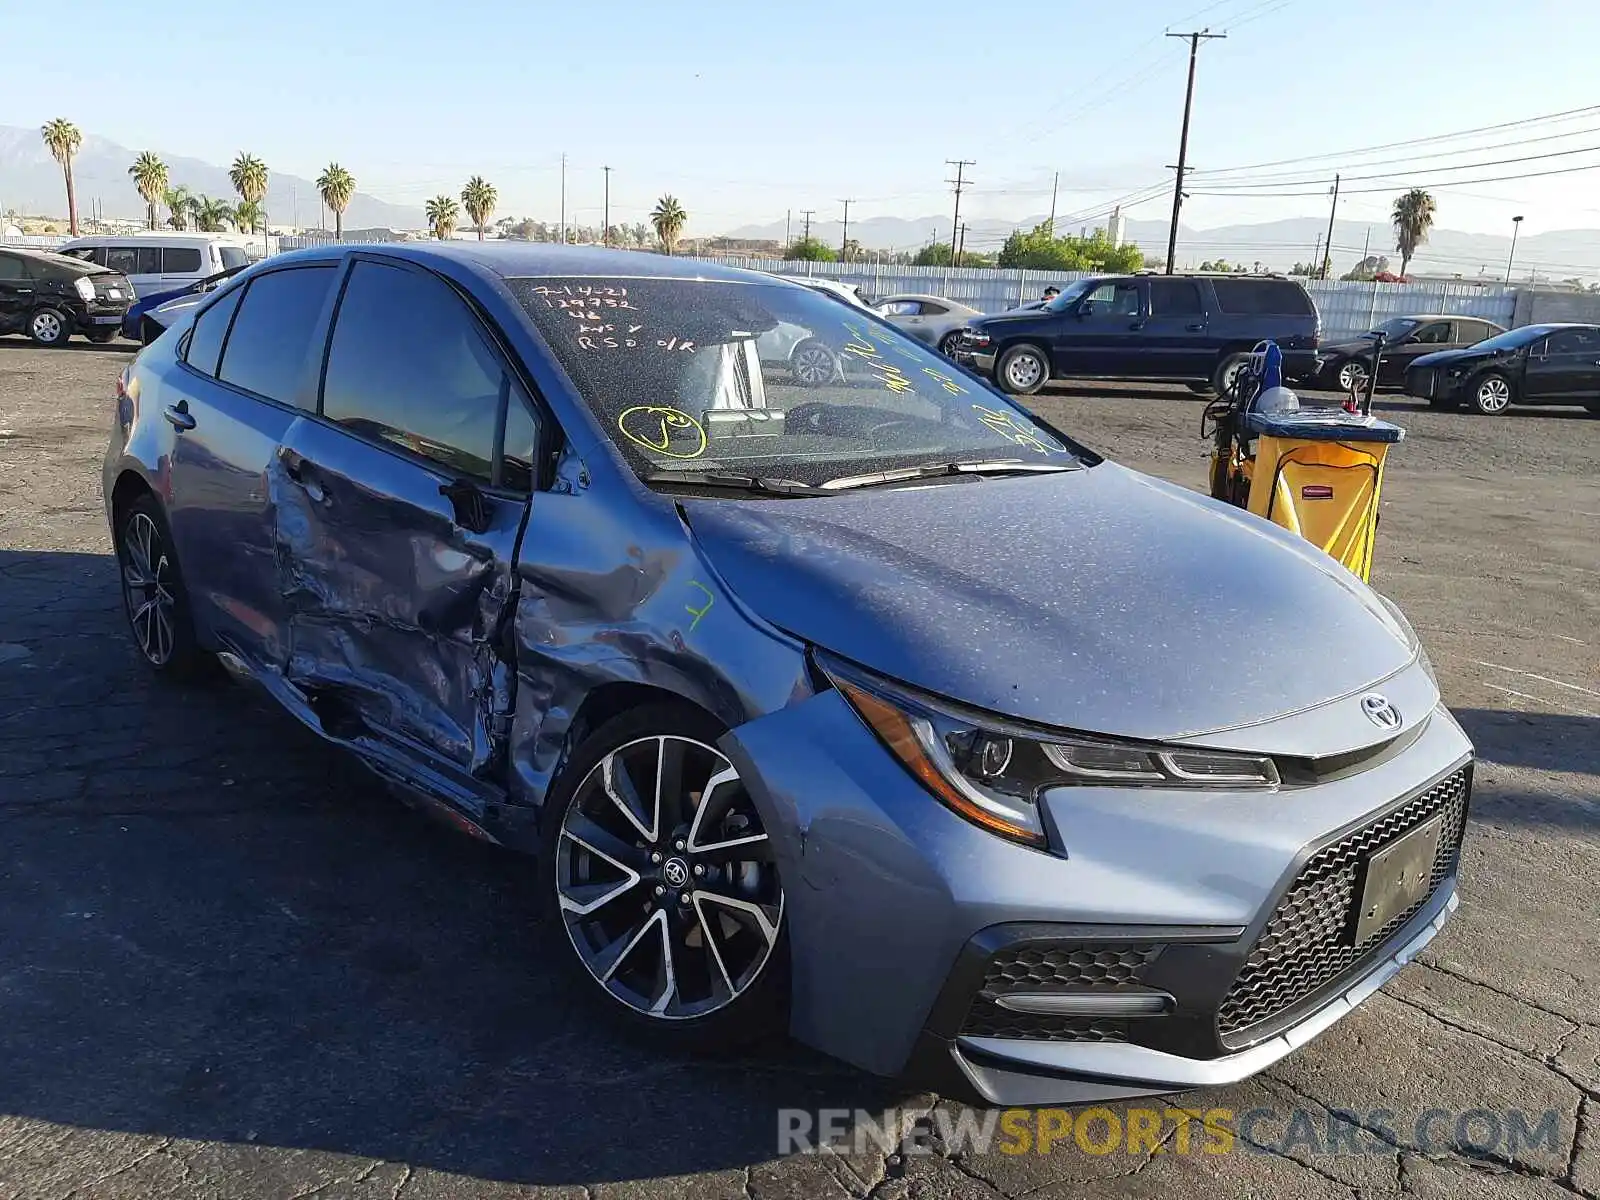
231, 966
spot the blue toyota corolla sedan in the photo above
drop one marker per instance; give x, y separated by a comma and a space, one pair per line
863, 704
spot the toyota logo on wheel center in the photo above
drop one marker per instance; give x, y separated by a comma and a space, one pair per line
675, 872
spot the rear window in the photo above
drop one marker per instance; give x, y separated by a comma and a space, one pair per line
1262, 297
183, 260
232, 256
266, 351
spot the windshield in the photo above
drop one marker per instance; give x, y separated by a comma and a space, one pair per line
1396, 327
1513, 339
769, 380
1070, 295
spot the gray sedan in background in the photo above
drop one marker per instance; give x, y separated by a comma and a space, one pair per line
930, 319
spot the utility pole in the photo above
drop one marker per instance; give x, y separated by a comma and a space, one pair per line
563, 199
1316, 258
960, 181
788, 216
1327, 254
807, 214
1516, 224
1182, 168
844, 238
961, 246
1366, 247
605, 221
1053, 187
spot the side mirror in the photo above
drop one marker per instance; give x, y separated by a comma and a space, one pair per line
471, 508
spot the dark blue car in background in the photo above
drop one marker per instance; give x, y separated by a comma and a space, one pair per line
865, 706
142, 323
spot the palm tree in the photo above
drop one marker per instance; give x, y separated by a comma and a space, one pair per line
478, 198
443, 213
177, 203
63, 138
249, 216
210, 216
150, 177
249, 178
641, 235
337, 186
669, 219
1413, 218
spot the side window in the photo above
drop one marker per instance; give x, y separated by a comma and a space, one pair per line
934, 310
123, 258
1175, 298
210, 328
409, 366
11, 267
181, 260
1434, 333
149, 260
1573, 341
1262, 297
1112, 300
901, 308
266, 352
81, 253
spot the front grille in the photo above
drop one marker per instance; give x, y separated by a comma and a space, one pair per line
1308, 942
988, 1019
1031, 968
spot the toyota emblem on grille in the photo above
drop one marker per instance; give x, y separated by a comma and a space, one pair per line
1379, 711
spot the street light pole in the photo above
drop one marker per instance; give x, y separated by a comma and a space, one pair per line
1516, 224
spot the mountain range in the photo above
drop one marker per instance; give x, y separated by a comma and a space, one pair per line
30, 182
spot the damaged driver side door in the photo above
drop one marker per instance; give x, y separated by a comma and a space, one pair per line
401, 502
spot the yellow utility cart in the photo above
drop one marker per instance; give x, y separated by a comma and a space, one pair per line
1317, 472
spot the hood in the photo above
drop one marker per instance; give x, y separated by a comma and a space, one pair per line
1098, 600
1013, 316
1440, 358
1359, 345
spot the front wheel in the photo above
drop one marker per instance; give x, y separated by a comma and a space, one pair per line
1225, 379
1352, 374
666, 883
1022, 370
813, 364
1491, 394
49, 327
947, 344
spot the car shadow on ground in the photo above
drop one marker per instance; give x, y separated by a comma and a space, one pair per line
219, 928
118, 345
1544, 741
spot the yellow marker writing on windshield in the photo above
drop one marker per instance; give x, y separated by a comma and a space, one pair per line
654, 426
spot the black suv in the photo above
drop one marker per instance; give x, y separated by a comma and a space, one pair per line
50, 297
1193, 329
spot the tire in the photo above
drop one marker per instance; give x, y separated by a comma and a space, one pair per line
812, 364
101, 336
49, 327
1491, 394
1227, 368
1022, 370
154, 598
1352, 372
947, 344
636, 887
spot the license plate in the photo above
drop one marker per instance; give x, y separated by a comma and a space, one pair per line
108, 320
1397, 876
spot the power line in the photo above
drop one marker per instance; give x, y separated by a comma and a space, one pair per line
1392, 186
960, 164
1194, 39
1472, 166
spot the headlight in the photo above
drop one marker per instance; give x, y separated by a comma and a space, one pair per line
83, 287
991, 772
974, 338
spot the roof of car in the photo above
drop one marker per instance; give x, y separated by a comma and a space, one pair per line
1444, 317
513, 259
51, 257
923, 296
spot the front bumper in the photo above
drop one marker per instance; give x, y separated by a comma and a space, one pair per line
892, 899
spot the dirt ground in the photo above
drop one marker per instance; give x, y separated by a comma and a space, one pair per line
233, 967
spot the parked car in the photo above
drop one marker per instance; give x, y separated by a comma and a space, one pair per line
932, 320
809, 359
886, 714
1195, 329
149, 317
1347, 363
50, 297
1534, 364
159, 262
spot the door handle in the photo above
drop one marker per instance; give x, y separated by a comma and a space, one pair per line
300, 472
178, 417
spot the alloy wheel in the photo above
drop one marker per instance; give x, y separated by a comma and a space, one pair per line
46, 327
147, 588
813, 365
1494, 395
1023, 371
666, 879
1352, 375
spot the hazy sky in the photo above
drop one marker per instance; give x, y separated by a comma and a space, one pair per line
745, 110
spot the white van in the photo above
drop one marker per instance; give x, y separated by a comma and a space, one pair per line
156, 262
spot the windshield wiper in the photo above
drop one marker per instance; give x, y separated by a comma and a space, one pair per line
1005, 466
733, 481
